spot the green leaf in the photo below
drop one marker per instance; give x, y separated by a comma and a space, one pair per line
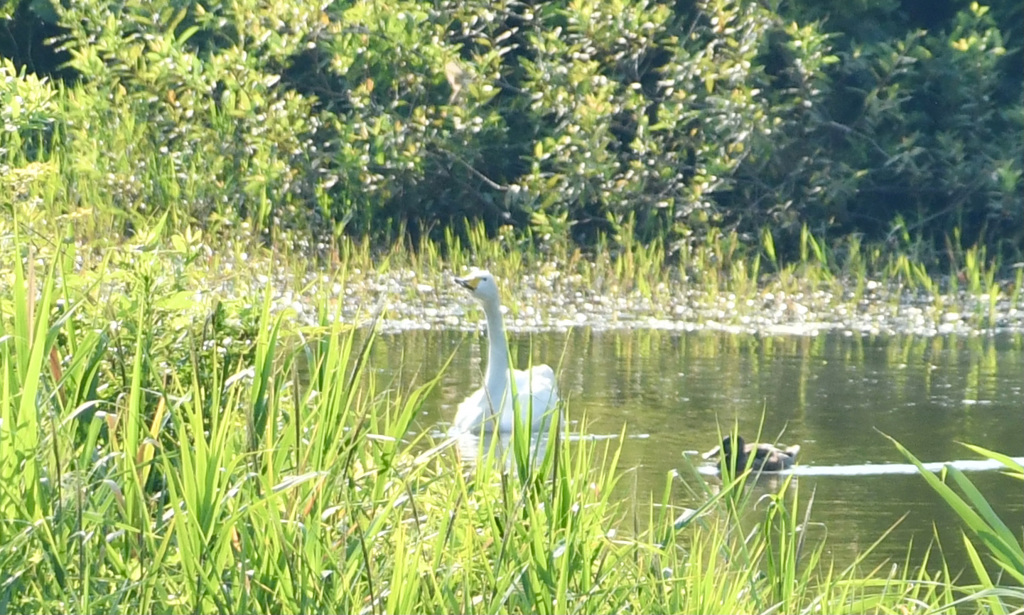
179, 301
989, 528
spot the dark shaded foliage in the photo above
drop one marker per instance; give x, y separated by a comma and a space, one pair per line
569, 119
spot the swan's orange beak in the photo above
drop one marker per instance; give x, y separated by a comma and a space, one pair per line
469, 283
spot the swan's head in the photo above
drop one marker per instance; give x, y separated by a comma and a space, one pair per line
481, 284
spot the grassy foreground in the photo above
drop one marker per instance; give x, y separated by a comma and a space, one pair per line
174, 441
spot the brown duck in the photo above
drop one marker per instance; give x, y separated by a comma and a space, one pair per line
766, 457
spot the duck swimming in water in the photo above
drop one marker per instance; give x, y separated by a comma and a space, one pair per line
766, 457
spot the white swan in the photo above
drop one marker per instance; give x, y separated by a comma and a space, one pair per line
536, 389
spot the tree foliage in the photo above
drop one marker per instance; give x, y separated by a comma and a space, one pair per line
566, 117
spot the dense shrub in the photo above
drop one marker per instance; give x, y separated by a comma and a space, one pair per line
572, 117
923, 127
179, 110
569, 118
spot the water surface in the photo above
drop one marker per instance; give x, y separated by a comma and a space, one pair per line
833, 394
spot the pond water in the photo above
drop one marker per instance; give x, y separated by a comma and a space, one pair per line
832, 394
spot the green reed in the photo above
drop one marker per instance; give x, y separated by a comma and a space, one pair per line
154, 467
175, 438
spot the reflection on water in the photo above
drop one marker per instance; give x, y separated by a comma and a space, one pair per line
879, 469
834, 394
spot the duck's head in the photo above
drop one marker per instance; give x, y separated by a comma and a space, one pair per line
481, 285
727, 446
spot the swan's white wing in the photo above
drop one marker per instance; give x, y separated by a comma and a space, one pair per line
471, 412
539, 384
536, 389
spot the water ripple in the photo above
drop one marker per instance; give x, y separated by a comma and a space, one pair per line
877, 469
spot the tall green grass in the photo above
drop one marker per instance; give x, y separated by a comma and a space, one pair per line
149, 467
1003, 593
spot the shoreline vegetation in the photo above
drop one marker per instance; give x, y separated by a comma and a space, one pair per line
161, 453
722, 285
201, 202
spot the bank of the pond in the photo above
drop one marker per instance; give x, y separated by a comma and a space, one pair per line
554, 300
558, 302
547, 295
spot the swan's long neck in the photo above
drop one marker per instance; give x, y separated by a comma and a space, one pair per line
496, 378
